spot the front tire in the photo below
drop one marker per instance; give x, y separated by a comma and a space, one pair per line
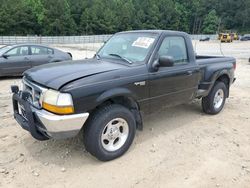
214, 102
109, 132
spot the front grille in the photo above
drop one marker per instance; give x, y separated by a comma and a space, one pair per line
35, 92
23, 113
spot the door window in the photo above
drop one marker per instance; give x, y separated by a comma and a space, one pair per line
39, 50
18, 51
176, 48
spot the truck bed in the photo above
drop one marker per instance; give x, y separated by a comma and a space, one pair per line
205, 60
208, 66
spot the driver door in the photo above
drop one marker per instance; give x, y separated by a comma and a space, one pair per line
177, 84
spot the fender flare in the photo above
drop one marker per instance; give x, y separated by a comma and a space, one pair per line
123, 92
116, 92
221, 73
213, 72
218, 75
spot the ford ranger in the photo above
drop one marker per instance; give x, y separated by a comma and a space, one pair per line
133, 74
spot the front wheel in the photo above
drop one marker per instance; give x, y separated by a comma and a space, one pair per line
214, 102
109, 132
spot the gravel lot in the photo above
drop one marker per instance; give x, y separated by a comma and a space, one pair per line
179, 147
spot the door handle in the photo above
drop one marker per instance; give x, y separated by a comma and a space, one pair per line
26, 58
142, 83
189, 73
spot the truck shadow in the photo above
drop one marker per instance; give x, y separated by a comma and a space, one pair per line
60, 152
170, 119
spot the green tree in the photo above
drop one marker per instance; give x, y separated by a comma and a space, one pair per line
125, 15
100, 18
70, 17
181, 17
210, 23
57, 18
147, 13
167, 15
37, 9
76, 9
16, 18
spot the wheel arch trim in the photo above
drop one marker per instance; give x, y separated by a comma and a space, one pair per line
113, 94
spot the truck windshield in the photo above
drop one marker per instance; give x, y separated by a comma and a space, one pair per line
130, 47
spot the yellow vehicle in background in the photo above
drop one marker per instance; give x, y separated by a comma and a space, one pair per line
235, 36
219, 35
226, 37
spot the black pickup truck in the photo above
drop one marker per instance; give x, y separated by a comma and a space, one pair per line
134, 73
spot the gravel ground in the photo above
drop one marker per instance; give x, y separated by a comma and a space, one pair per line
179, 147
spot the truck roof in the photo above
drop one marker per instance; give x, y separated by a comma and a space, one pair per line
154, 31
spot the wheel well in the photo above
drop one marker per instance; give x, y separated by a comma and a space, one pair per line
128, 103
69, 54
225, 78
56, 61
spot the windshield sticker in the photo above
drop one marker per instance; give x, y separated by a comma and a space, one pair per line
143, 42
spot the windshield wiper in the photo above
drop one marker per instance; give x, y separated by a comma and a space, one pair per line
124, 58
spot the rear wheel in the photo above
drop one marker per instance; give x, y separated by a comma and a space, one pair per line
109, 132
214, 102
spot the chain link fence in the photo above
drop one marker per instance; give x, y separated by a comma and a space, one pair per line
198, 37
7, 40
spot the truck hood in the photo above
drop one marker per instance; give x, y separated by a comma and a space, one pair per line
58, 74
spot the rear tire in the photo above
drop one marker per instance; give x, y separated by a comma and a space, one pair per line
214, 102
109, 132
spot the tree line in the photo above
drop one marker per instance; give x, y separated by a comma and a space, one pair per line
79, 17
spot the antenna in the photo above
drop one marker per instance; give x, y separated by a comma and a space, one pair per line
221, 48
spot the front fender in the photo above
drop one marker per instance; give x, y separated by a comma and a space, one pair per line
116, 92
130, 101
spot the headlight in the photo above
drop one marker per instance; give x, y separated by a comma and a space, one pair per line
56, 102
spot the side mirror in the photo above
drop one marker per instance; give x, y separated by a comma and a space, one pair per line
5, 56
166, 61
163, 61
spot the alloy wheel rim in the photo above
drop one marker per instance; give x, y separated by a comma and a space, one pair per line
218, 98
115, 134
